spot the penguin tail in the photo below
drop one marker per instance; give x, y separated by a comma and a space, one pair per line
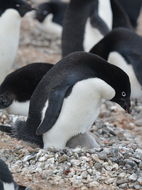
21, 132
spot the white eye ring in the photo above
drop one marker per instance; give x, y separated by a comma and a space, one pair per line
17, 5
123, 94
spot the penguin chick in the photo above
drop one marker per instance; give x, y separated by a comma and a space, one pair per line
122, 48
67, 100
51, 15
6, 179
18, 87
85, 28
11, 13
85, 140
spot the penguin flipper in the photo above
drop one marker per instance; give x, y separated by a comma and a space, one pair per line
55, 104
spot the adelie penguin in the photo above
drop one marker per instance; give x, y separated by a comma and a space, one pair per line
11, 13
51, 14
85, 23
6, 180
95, 19
18, 87
67, 100
122, 48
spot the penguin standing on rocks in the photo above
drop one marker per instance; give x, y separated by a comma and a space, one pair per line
6, 179
51, 15
67, 100
11, 13
18, 87
123, 48
85, 23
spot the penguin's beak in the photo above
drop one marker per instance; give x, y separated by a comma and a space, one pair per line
125, 104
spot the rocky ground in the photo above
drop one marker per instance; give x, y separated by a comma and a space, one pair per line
116, 165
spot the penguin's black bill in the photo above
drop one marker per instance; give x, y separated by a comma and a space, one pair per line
125, 104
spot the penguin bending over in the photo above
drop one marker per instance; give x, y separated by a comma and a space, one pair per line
67, 100
18, 87
122, 48
51, 15
85, 23
6, 180
11, 13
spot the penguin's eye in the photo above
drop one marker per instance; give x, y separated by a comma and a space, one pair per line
17, 5
123, 94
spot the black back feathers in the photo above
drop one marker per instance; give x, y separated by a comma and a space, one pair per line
20, 5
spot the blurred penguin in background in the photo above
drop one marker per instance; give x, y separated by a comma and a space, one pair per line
11, 13
51, 14
85, 23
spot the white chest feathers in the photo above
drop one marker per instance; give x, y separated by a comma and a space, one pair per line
105, 12
52, 27
8, 186
116, 59
79, 111
19, 108
91, 36
9, 39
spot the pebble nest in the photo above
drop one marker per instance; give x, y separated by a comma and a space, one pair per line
117, 164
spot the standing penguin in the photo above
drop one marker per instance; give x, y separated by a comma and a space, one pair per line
67, 100
123, 48
85, 23
18, 87
51, 15
11, 12
6, 179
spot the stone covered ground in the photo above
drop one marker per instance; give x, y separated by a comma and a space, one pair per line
116, 165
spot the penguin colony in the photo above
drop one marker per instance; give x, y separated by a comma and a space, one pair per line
101, 61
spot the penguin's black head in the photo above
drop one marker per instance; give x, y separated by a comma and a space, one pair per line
6, 100
121, 84
56, 8
20, 5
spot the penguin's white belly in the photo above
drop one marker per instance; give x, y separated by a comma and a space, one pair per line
78, 113
9, 39
105, 12
7, 54
91, 37
116, 59
19, 108
8, 186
